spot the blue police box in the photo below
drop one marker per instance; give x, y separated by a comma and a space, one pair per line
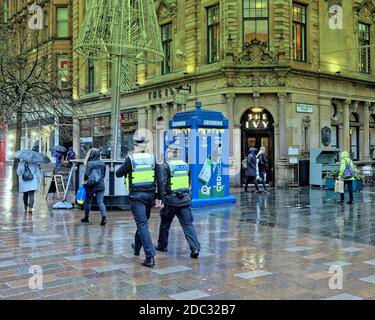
203, 137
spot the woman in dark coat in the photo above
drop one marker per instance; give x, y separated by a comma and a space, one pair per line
251, 170
94, 184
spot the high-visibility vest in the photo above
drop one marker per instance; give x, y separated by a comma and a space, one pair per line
179, 175
143, 170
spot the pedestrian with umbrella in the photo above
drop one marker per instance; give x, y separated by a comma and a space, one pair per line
58, 152
29, 174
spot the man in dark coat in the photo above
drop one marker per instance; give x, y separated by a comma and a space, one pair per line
139, 172
251, 170
94, 185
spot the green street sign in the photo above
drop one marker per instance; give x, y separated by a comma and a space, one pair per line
180, 98
305, 108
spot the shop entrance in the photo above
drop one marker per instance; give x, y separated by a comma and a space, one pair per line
258, 131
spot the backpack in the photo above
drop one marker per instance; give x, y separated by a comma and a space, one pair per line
244, 163
27, 175
348, 173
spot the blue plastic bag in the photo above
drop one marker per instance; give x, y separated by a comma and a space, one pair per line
81, 195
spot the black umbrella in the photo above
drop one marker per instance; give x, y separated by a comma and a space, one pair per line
32, 157
60, 149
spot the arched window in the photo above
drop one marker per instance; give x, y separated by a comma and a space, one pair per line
354, 136
372, 137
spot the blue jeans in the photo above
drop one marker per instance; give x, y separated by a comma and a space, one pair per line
141, 205
263, 178
99, 200
185, 218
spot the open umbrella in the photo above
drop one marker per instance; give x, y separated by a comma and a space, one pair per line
60, 149
32, 157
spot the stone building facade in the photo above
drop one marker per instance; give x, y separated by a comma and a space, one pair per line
281, 71
52, 45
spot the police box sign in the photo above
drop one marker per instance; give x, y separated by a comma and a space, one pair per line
305, 108
178, 124
213, 123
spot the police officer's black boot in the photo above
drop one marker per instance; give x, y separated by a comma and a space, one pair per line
136, 252
85, 219
194, 254
161, 248
149, 262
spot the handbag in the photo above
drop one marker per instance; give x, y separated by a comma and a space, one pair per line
339, 186
94, 178
27, 174
81, 195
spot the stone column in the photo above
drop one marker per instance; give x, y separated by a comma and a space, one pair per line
282, 127
346, 125
230, 112
149, 118
366, 131
76, 138
166, 115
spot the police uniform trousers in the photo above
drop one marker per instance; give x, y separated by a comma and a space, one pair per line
185, 218
141, 204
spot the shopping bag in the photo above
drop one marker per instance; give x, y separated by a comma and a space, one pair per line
339, 186
81, 195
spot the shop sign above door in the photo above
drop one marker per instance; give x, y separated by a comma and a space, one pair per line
305, 108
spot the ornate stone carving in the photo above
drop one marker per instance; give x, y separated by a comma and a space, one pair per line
166, 8
212, 85
255, 53
326, 136
302, 82
363, 11
257, 80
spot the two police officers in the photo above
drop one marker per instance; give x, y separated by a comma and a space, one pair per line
174, 192
139, 172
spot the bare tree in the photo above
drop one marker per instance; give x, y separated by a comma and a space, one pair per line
27, 88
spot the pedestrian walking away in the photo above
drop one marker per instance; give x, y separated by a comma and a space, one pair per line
174, 193
347, 173
29, 175
94, 184
262, 166
139, 172
251, 169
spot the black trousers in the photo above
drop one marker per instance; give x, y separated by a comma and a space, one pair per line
348, 183
250, 179
28, 199
185, 217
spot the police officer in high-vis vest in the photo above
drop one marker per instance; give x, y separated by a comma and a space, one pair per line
139, 172
174, 193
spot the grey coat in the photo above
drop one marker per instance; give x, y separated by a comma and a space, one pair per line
33, 185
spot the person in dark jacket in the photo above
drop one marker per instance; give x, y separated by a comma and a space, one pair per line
262, 166
174, 193
251, 170
139, 172
94, 184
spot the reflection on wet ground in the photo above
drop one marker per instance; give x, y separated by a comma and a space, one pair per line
279, 245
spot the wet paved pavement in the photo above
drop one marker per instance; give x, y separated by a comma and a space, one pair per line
279, 245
